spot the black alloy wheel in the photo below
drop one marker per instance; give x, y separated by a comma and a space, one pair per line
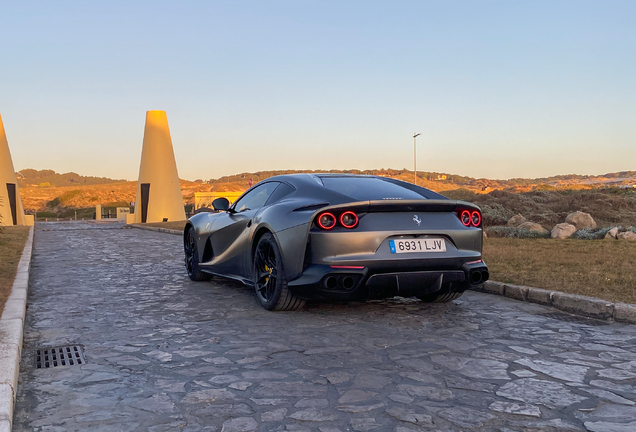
192, 257
270, 282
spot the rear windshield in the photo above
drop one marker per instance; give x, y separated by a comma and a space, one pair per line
369, 188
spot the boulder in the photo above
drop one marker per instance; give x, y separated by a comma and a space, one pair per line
611, 234
580, 220
531, 226
562, 231
516, 220
627, 235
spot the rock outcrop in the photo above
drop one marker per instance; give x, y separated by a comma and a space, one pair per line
516, 220
627, 235
531, 226
562, 231
611, 234
580, 220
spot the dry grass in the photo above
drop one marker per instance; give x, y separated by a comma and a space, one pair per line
596, 268
12, 242
176, 225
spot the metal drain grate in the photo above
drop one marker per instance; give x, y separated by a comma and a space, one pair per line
46, 358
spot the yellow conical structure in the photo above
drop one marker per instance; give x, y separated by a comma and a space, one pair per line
11, 210
158, 189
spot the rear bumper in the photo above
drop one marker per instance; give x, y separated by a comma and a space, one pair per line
382, 280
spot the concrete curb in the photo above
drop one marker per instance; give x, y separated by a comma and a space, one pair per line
580, 305
163, 230
11, 329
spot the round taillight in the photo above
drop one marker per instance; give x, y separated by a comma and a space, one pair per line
465, 218
349, 219
475, 219
326, 221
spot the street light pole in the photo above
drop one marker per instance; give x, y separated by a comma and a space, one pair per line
415, 158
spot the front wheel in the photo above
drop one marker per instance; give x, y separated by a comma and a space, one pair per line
270, 282
192, 257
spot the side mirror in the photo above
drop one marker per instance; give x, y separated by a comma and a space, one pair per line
221, 204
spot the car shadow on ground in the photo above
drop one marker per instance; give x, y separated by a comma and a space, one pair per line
346, 306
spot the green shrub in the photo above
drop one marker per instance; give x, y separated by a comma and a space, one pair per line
545, 187
43, 214
66, 197
495, 214
592, 233
55, 202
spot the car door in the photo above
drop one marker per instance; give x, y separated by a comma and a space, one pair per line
231, 231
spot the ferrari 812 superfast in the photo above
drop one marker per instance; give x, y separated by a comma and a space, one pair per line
302, 237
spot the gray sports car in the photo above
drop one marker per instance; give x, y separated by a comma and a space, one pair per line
350, 237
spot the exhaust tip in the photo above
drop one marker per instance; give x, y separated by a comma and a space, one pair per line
331, 282
348, 282
475, 277
484, 275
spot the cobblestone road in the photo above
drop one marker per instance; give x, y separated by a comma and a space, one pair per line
164, 353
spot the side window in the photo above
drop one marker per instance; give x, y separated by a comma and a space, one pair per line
281, 192
256, 198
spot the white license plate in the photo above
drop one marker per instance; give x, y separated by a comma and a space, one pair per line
418, 245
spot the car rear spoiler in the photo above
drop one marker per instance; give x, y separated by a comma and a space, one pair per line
383, 206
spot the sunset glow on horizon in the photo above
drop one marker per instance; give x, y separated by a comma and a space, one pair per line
497, 89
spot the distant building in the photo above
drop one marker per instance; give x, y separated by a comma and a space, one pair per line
204, 199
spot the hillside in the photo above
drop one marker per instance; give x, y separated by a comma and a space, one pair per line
57, 201
442, 181
31, 177
610, 198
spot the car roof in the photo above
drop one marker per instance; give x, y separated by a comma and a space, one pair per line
313, 181
313, 176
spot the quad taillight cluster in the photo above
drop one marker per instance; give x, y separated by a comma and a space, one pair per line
469, 217
327, 220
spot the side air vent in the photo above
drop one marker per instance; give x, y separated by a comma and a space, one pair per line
207, 251
312, 207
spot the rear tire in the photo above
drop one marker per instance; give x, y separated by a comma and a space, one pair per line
192, 257
270, 282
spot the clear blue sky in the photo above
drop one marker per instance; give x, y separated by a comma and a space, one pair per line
498, 89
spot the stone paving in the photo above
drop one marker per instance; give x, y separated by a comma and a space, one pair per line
164, 353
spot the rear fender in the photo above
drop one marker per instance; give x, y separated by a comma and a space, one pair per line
292, 243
